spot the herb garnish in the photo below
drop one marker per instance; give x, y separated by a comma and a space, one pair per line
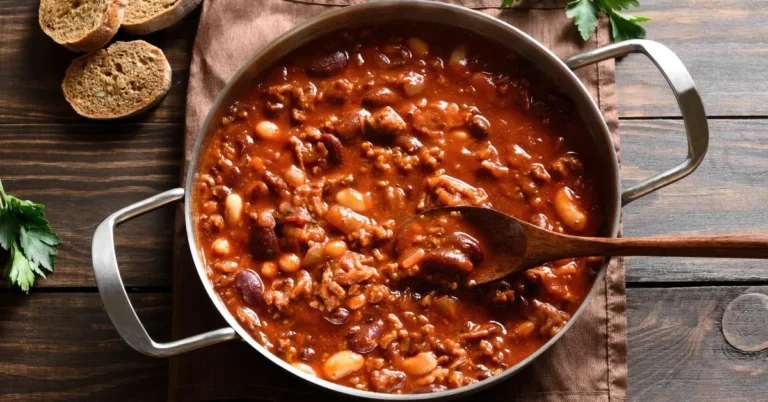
27, 237
585, 13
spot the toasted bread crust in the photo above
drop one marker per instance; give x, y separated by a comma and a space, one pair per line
77, 68
163, 20
98, 37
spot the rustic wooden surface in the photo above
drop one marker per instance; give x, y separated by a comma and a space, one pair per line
57, 342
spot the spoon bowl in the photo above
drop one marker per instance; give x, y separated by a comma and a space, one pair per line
517, 245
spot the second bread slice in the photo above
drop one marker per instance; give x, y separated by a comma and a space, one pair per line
81, 25
125, 79
146, 16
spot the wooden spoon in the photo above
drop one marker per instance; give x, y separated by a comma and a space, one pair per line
519, 245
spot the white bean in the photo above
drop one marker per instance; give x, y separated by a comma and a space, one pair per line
221, 247
268, 130
233, 209
335, 248
421, 364
304, 367
289, 262
418, 47
413, 84
571, 214
342, 364
269, 269
459, 55
352, 199
295, 176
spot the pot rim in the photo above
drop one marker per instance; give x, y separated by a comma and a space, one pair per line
587, 106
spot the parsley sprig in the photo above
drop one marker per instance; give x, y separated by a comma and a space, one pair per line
28, 239
584, 14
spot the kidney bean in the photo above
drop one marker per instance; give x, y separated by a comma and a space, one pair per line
351, 125
479, 126
379, 97
447, 261
334, 147
470, 246
264, 244
250, 286
408, 143
306, 354
338, 316
328, 65
366, 338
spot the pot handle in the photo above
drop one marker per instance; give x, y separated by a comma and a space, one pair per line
113, 293
687, 98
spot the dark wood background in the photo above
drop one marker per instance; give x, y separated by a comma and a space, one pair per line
58, 343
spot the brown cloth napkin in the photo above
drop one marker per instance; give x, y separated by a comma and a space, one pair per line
589, 363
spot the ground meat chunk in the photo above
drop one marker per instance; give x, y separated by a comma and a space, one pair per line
385, 380
448, 191
566, 165
438, 117
351, 268
330, 292
339, 90
384, 125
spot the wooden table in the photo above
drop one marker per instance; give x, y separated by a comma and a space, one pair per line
57, 342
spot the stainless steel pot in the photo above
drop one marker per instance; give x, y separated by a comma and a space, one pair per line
105, 267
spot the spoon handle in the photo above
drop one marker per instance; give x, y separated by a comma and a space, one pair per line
744, 246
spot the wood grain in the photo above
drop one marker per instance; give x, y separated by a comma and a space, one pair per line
678, 353
727, 194
722, 45
720, 42
33, 66
63, 347
84, 173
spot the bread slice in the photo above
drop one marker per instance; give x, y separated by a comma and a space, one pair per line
145, 16
125, 79
81, 25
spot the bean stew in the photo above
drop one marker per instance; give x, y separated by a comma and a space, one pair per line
314, 167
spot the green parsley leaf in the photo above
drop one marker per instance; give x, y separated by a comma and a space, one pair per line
27, 236
9, 228
18, 270
39, 245
619, 5
584, 15
624, 26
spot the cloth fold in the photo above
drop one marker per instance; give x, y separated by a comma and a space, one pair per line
587, 364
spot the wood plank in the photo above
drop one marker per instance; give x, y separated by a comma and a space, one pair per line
83, 173
722, 45
728, 194
63, 347
33, 66
677, 351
